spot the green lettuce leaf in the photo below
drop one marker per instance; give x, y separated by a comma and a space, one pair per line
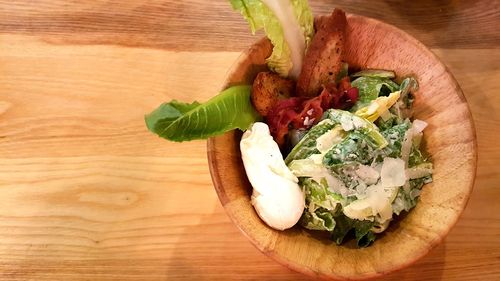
394, 136
307, 145
355, 148
408, 85
260, 16
305, 18
375, 73
371, 88
320, 219
322, 205
177, 121
345, 118
320, 195
402, 109
361, 230
408, 195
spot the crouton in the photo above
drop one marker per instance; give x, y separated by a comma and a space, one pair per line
267, 89
323, 59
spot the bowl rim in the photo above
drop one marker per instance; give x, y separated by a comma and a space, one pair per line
414, 258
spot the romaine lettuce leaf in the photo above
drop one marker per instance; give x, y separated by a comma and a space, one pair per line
408, 85
355, 148
350, 122
403, 107
416, 157
322, 204
319, 195
395, 136
389, 122
229, 110
362, 230
370, 88
305, 18
289, 25
407, 196
363, 233
307, 145
420, 171
320, 219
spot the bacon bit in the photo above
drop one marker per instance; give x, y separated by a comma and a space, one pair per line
291, 113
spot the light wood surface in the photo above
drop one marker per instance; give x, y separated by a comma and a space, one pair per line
88, 194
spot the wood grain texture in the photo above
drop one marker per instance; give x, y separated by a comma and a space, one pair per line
88, 194
213, 26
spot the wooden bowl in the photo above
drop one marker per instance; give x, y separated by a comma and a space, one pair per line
450, 140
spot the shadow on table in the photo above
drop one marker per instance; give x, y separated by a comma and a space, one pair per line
216, 250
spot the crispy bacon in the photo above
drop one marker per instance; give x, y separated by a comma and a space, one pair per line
298, 112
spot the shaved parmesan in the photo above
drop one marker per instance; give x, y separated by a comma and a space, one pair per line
393, 172
406, 145
368, 174
376, 205
418, 126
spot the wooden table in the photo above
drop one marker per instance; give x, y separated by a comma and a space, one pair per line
88, 194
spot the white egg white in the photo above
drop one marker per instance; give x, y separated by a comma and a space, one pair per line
276, 196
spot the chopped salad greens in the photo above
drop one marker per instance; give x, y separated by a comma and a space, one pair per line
355, 175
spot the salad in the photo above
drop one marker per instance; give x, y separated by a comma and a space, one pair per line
325, 146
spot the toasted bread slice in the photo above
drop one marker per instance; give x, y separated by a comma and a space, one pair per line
323, 58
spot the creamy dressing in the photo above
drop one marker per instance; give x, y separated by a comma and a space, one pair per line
277, 197
294, 36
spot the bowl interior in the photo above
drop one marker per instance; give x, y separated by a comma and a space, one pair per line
450, 140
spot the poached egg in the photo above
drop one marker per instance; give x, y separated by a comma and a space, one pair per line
277, 196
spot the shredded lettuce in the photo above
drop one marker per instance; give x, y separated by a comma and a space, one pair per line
289, 25
371, 88
322, 205
177, 121
361, 229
